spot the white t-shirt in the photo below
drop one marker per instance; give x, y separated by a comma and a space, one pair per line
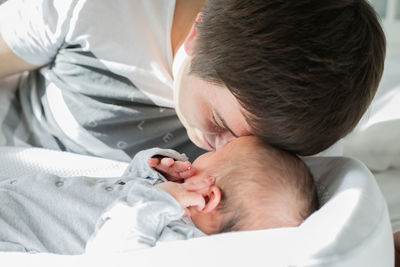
131, 38
106, 85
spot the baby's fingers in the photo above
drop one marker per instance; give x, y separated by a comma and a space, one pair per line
186, 174
162, 165
167, 162
180, 166
153, 162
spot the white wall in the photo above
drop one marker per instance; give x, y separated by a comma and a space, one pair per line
389, 10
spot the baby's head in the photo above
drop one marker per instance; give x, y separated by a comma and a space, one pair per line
256, 187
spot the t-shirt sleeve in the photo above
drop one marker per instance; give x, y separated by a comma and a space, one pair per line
35, 30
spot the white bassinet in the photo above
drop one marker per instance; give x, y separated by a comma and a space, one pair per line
352, 228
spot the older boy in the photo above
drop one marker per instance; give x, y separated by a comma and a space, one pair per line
273, 68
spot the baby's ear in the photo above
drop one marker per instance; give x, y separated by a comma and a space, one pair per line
213, 198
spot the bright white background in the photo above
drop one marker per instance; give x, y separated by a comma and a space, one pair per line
376, 141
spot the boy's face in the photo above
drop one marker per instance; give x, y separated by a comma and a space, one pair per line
210, 113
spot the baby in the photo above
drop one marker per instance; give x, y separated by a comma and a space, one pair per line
245, 185
256, 187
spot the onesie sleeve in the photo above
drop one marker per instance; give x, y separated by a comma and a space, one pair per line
136, 223
139, 167
35, 30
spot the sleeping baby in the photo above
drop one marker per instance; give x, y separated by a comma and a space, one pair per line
244, 185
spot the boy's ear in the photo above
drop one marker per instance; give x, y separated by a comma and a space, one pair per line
191, 37
214, 198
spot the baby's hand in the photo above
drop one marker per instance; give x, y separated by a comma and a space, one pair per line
172, 170
189, 193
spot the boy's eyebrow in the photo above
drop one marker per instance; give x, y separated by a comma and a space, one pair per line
225, 124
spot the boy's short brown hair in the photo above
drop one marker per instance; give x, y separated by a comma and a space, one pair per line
305, 71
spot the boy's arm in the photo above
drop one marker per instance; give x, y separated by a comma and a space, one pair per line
32, 32
10, 63
142, 219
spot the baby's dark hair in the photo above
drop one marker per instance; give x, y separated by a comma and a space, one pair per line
265, 188
304, 70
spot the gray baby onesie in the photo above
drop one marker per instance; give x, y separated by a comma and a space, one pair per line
48, 213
